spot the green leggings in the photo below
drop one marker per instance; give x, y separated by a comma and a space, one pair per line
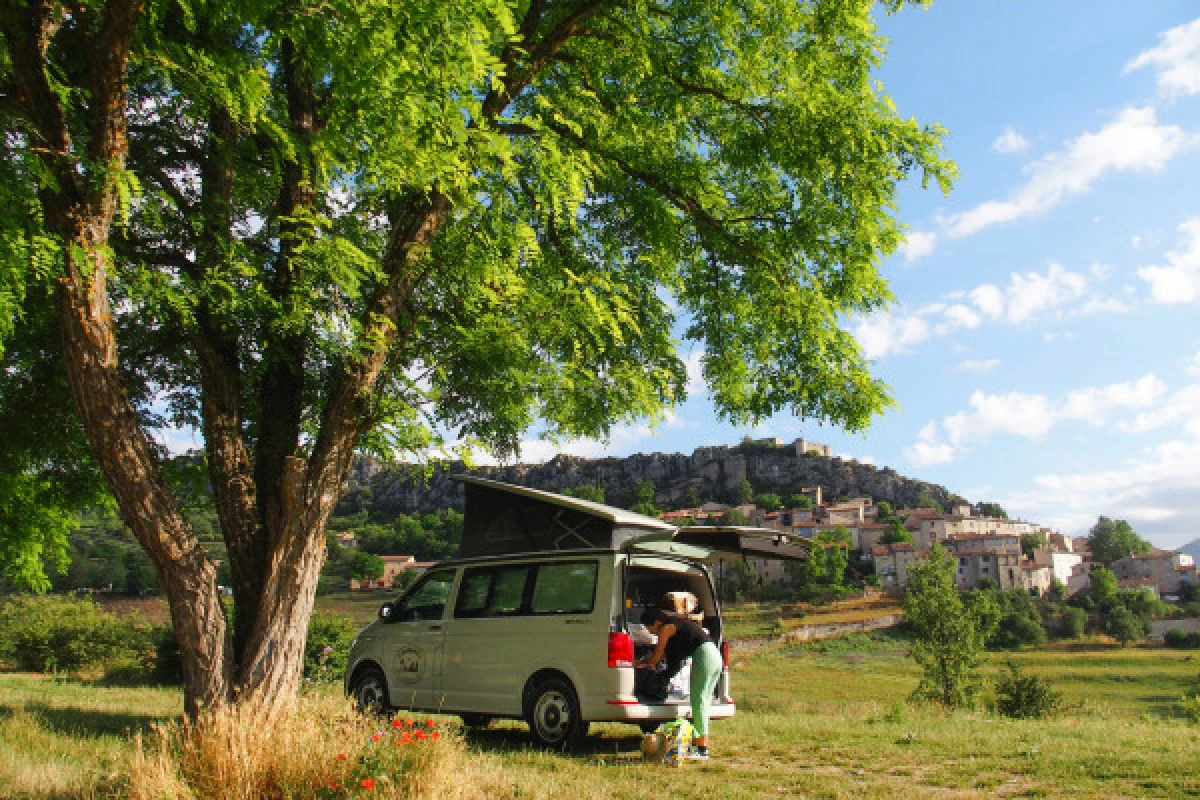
706, 669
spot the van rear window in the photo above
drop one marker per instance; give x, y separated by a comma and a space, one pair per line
565, 588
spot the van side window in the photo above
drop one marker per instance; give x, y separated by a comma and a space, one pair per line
492, 592
428, 600
565, 588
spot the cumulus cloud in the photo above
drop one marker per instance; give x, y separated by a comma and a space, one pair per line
1010, 141
986, 365
918, 244
1133, 142
1032, 416
696, 387
1193, 365
1179, 280
1176, 59
1025, 297
1157, 491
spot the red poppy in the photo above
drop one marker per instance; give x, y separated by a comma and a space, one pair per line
405, 739
435, 734
420, 734
368, 783
341, 756
375, 737
397, 723
410, 723
333, 784
429, 722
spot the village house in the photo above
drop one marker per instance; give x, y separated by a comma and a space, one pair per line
1166, 571
347, 540
1036, 577
892, 562
393, 567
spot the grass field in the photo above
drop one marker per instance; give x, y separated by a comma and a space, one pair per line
819, 720
771, 620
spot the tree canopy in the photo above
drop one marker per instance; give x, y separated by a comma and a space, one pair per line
314, 229
1113, 539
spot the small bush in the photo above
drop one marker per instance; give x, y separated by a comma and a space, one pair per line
48, 634
1023, 696
1072, 623
1191, 708
327, 646
1182, 640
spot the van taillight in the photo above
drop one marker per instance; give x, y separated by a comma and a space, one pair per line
725, 653
620, 650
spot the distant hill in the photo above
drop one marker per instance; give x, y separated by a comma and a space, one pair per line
713, 472
1192, 548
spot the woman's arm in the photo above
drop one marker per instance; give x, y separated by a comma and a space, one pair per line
660, 649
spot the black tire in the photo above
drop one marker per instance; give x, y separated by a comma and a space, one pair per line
553, 714
370, 692
649, 726
475, 720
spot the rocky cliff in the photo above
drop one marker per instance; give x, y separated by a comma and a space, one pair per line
715, 472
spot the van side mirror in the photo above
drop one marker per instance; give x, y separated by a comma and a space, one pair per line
387, 612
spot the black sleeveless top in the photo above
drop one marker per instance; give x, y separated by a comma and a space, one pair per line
687, 638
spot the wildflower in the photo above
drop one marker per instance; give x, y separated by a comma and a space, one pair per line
368, 783
397, 723
333, 784
435, 734
341, 756
406, 738
410, 723
420, 734
327, 650
429, 723
375, 737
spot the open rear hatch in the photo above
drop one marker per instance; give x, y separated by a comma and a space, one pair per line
725, 543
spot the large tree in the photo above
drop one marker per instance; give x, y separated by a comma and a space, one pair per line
1113, 539
312, 229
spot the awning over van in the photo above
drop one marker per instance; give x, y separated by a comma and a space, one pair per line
501, 519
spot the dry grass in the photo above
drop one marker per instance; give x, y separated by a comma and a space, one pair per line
322, 749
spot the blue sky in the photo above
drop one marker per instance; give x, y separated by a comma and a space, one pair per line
1043, 350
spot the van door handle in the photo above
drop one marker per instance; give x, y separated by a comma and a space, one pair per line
435, 627
577, 621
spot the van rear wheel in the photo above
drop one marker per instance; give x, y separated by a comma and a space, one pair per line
553, 714
370, 692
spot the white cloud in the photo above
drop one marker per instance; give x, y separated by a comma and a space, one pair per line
1158, 491
918, 244
1182, 406
1193, 365
1010, 141
696, 387
1033, 416
1133, 142
978, 366
1026, 296
1110, 305
927, 450
883, 334
1179, 281
1176, 59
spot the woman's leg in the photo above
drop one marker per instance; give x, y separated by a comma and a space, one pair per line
706, 669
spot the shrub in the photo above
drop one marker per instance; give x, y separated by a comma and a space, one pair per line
46, 634
1181, 639
327, 646
1072, 623
1022, 696
1191, 708
1016, 629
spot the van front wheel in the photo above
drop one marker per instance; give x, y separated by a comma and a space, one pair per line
370, 692
553, 714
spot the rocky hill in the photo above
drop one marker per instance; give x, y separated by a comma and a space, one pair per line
715, 472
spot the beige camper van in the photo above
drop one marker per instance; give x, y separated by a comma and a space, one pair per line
540, 618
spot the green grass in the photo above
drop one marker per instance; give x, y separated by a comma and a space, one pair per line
822, 720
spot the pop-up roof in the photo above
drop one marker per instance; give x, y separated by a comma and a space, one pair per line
501, 519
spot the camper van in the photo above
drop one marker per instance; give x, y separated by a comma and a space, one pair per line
539, 617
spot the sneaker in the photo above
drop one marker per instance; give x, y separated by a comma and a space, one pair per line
699, 754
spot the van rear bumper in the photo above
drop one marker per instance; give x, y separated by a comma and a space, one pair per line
633, 711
